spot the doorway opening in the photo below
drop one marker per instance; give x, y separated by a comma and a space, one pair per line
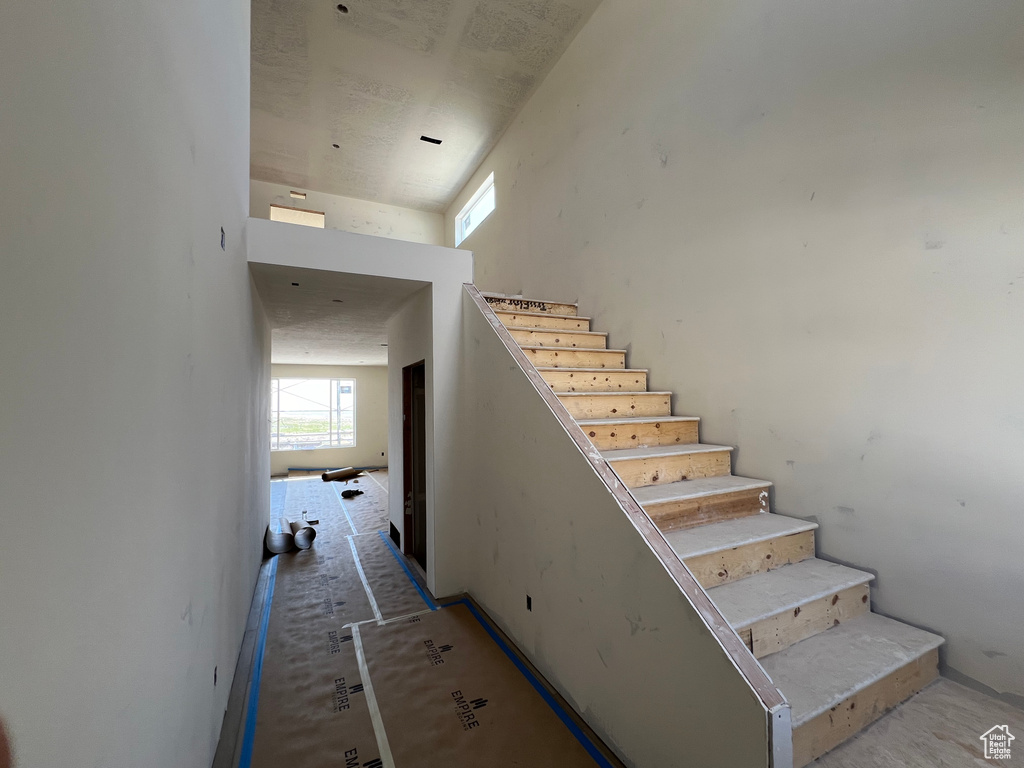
414, 461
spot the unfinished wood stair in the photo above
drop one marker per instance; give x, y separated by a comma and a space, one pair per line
809, 621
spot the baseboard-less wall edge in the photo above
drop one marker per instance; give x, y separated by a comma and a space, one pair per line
951, 673
535, 677
231, 732
776, 708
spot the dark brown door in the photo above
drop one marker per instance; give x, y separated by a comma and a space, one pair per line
414, 461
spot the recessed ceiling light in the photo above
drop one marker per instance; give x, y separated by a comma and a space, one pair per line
430, 140
342, 8
298, 195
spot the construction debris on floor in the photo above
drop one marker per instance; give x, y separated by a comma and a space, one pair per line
290, 534
346, 473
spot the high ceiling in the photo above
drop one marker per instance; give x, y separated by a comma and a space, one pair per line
329, 318
374, 79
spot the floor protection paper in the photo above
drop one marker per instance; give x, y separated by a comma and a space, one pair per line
361, 669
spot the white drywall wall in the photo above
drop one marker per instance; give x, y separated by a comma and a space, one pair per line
445, 271
134, 367
608, 627
351, 215
371, 445
807, 220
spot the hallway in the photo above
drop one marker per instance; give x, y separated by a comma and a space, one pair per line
355, 663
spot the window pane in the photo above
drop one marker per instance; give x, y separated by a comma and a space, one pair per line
477, 209
297, 216
312, 413
345, 408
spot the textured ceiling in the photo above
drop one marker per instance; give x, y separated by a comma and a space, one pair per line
375, 79
309, 327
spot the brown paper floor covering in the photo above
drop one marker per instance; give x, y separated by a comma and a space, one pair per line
358, 670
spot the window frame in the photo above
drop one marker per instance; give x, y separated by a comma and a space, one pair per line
334, 412
460, 221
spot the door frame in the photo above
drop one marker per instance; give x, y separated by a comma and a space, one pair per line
408, 454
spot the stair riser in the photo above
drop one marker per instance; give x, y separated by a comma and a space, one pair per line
576, 358
830, 729
525, 305
608, 437
608, 406
535, 321
558, 339
659, 470
687, 513
717, 568
785, 629
605, 381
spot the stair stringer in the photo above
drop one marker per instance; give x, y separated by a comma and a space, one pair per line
701, 611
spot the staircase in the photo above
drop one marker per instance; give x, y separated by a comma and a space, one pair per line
807, 620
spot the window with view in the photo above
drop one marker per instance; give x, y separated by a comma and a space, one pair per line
312, 413
479, 207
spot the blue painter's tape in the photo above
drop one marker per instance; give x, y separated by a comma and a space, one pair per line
249, 736
557, 708
431, 602
328, 469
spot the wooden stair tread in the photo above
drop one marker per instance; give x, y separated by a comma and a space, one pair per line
767, 594
557, 337
630, 419
571, 349
579, 318
563, 331
729, 534
818, 673
652, 393
520, 297
626, 454
542, 369
699, 486
537, 306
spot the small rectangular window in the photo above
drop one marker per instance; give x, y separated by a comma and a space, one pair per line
297, 216
477, 209
312, 413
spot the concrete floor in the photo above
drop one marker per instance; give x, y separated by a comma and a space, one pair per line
938, 728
